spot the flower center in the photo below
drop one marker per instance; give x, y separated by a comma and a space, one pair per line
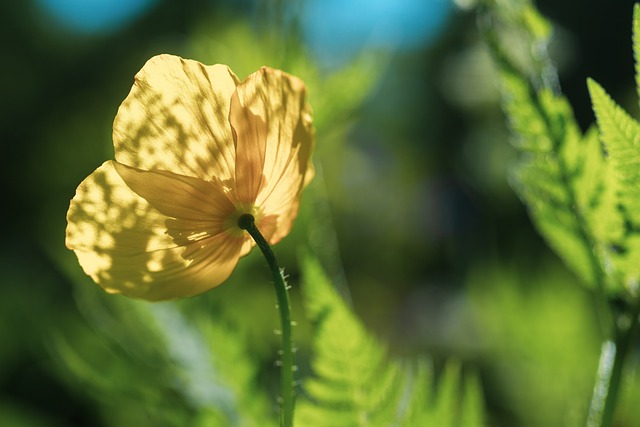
241, 215
245, 221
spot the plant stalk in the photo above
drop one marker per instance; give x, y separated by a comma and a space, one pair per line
609, 379
247, 222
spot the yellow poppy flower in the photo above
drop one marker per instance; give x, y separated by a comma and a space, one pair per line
195, 148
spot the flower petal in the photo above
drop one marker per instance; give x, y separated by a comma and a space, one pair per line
126, 245
250, 136
275, 100
179, 196
176, 118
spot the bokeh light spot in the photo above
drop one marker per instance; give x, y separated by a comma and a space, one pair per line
337, 29
93, 16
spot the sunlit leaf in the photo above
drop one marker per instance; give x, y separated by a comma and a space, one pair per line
356, 383
563, 175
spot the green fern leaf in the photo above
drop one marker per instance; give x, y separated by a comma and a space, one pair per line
562, 175
550, 169
636, 44
457, 402
355, 383
594, 184
472, 409
446, 403
620, 134
353, 386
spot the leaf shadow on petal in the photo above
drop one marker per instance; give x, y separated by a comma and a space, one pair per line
120, 240
190, 136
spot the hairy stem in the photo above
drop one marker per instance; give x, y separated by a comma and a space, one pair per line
247, 222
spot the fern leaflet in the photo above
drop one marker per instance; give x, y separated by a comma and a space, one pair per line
355, 382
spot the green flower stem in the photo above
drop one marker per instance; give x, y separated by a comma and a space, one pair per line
612, 358
247, 222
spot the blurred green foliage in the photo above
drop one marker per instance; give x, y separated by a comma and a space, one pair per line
552, 364
411, 210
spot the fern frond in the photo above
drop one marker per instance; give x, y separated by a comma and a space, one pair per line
446, 402
562, 175
472, 409
353, 386
355, 383
636, 44
549, 172
458, 400
620, 134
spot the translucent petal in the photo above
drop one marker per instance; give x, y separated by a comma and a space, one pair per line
179, 196
127, 246
250, 136
176, 118
275, 100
